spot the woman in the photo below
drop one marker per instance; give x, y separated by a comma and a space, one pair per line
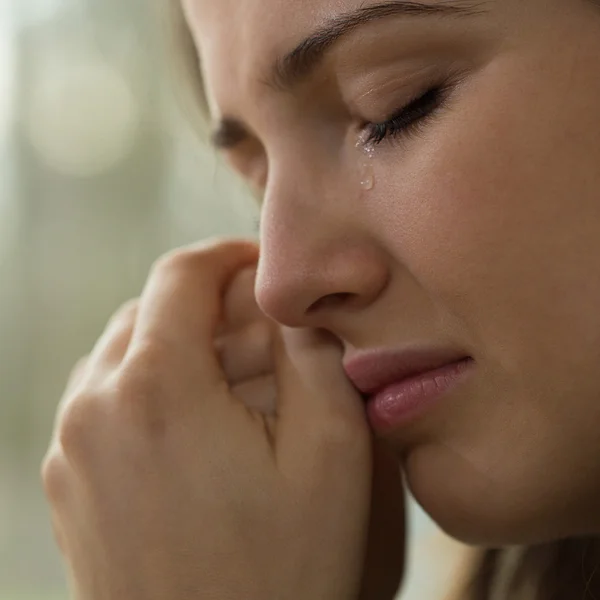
429, 260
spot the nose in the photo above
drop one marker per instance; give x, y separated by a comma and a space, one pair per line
318, 262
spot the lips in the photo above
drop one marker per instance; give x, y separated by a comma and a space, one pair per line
373, 370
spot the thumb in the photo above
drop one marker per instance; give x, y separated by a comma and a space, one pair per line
322, 430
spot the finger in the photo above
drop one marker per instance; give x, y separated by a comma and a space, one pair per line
240, 306
259, 394
181, 305
247, 353
113, 343
321, 441
110, 348
76, 375
322, 425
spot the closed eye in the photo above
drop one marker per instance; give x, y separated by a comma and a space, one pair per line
409, 118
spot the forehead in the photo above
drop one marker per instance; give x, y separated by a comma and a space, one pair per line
258, 23
238, 40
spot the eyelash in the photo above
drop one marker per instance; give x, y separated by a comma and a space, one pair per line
410, 118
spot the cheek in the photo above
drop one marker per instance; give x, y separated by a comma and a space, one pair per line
499, 218
500, 222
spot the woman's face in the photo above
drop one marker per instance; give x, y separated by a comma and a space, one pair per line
469, 222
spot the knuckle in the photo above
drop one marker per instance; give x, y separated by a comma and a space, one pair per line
77, 372
126, 312
148, 362
175, 260
78, 419
121, 325
137, 385
53, 474
141, 387
80, 365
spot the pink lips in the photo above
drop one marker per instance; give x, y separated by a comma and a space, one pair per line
400, 384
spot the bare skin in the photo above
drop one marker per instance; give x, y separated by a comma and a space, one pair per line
157, 416
480, 231
245, 346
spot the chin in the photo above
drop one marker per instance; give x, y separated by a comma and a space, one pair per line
475, 510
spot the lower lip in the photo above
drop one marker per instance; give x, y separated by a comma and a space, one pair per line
401, 402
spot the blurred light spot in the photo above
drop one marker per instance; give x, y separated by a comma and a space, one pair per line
35, 11
83, 117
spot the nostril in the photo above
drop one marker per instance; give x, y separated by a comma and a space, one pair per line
329, 301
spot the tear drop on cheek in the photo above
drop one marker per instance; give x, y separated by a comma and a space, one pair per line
367, 178
366, 154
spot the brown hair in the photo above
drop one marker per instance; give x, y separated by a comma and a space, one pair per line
560, 570
566, 569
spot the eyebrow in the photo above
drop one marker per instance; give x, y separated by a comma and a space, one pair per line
308, 55
289, 70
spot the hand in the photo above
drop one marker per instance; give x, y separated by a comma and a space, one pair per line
246, 351
164, 485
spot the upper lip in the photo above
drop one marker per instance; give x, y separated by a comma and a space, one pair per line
372, 370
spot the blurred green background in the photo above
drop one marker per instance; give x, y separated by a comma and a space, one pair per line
99, 174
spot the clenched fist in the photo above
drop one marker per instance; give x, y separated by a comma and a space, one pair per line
203, 452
